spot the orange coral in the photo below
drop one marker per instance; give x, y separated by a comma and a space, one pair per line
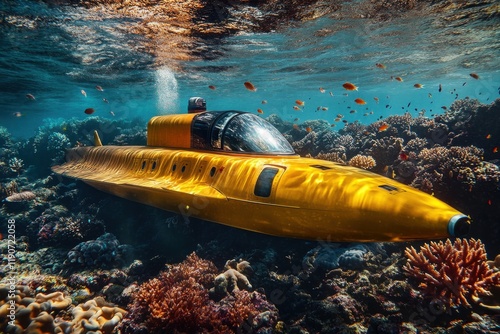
454, 273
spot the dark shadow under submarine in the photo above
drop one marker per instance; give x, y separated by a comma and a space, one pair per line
235, 168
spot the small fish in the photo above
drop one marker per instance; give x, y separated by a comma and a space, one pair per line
331, 94
105, 100
352, 111
403, 156
376, 99
296, 108
308, 129
89, 111
260, 111
212, 87
474, 75
324, 108
84, 93
321, 90
264, 102
440, 88
300, 103
366, 114
465, 83
30, 97
17, 114
495, 149
295, 119
383, 127
111, 113
429, 95
418, 86
345, 121
337, 119
250, 86
379, 65
99, 88
360, 101
409, 104
387, 106
488, 136
340, 115
489, 202
444, 107
349, 86
296, 127
399, 79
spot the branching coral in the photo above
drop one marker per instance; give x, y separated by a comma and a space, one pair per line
362, 161
453, 273
178, 301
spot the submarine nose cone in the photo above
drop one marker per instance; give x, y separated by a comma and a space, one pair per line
459, 226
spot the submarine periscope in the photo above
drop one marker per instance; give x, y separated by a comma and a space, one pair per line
235, 168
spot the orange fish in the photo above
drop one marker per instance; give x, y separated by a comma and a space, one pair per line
89, 111
379, 65
495, 149
383, 127
296, 108
399, 79
418, 86
260, 111
300, 103
30, 97
349, 86
360, 101
474, 75
99, 88
212, 87
321, 90
488, 136
250, 86
308, 129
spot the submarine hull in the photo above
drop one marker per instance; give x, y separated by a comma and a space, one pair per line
286, 196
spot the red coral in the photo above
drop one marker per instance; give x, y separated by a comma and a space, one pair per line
177, 301
453, 273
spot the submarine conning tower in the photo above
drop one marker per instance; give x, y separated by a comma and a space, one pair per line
220, 131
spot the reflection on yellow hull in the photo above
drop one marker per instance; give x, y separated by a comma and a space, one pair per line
281, 195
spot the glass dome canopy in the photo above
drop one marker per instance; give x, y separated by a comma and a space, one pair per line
238, 132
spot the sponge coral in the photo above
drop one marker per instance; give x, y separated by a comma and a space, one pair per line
453, 273
178, 301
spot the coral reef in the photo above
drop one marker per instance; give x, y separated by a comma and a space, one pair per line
41, 314
452, 273
21, 197
178, 300
105, 251
362, 161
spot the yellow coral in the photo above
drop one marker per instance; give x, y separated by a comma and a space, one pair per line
362, 161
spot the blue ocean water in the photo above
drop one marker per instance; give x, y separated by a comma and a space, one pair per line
55, 51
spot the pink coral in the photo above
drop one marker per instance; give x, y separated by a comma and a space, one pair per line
453, 273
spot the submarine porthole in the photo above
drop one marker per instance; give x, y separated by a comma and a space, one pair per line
153, 166
143, 164
264, 183
174, 167
212, 171
183, 169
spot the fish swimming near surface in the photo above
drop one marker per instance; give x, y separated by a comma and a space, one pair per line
474, 75
212, 87
30, 97
89, 111
248, 85
23, 196
350, 86
99, 88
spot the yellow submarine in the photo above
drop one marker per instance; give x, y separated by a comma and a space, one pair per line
235, 168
